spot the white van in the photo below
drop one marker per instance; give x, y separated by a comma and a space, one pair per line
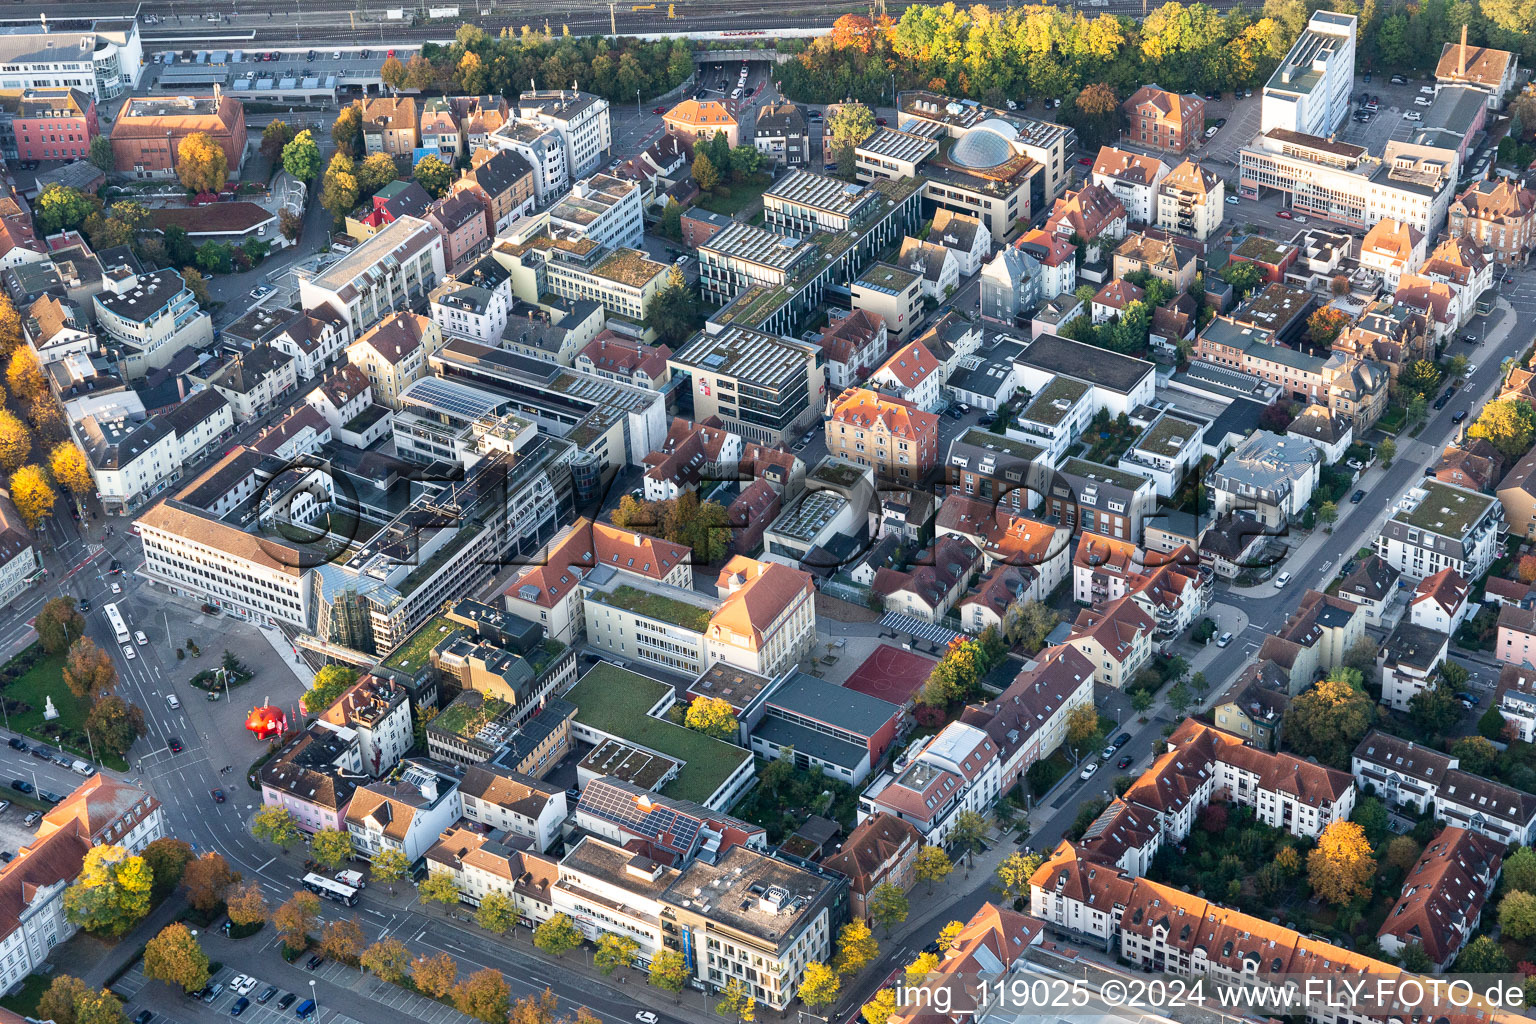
352, 878
81, 768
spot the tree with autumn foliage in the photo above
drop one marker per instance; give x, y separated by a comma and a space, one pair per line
15, 441
1325, 325
388, 958
1327, 721
175, 957
713, 717
342, 940
1097, 107
24, 376
296, 918
207, 879
31, 493
69, 467
484, 995
435, 975
111, 894
853, 32
201, 164
1340, 869
1509, 425
88, 670
246, 905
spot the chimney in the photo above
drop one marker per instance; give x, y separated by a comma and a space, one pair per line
1461, 62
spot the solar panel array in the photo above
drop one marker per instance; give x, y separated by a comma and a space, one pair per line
619, 806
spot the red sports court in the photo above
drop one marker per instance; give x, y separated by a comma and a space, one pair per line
892, 674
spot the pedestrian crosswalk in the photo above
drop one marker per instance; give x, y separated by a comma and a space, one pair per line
919, 629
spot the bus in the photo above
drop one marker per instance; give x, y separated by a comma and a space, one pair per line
115, 619
327, 889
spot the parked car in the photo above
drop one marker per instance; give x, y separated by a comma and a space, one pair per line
144, 1017
286, 1001
21, 785
1399, 80
1440, 402
16, 744
1282, 580
646, 1017
32, 818
266, 996
1284, 214
1420, 101
1413, 115
1357, 497
1088, 770
1108, 753
1125, 761
212, 992
1233, 200
1460, 415
1224, 640
314, 962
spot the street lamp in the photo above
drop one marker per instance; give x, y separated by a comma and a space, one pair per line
313, 999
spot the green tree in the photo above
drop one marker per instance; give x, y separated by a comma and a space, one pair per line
440, 887
112, 892
1179, 698
276, 825
557, 936
1328, 514
1481, 956
339, 189
820, 986
847, 126
1435, 709
167, 859
1475, 753
433, 175
669, 971
1492, 724
327, 687
1371, 815
101, 153
1520, 870
968, 832
888, 905
673, 311
58, 624
347, 131
1517, 915
1243, 276
1083, 732
389, 866
375, 172
614, 951
274, 137
301, 157
1328, 720
712, 717
61, 208
496, 913
1508, 425
705, 174
1387, 450
331, 847
175, 957
1028, 623
1415, 960
745, 160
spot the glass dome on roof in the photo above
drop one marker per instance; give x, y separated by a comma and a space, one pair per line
986, 145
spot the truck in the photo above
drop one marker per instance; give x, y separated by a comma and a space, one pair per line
352, 878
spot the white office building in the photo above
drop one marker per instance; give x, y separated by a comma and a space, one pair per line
1310, 90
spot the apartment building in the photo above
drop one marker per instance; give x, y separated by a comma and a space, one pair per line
106, 59
1436, 526
1191, 201
1268, 475
54, 124
391, 124
378, 711
148, 318
697, 120
1028, 720
1443, 896
882, 848
891, 434
1132, 178
1165, 120
394, 270
581, 120
1091, 497
394, 353
1499, 215
601, 208
780, 134
957, 770
1492, 71
135, 456
505, 180
516, 804
407, 812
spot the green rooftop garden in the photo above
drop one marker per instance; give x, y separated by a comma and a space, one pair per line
464, 718
412, 655
1447, 511
614, 700
655, 606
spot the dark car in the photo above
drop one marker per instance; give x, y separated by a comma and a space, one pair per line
85, 604
239, 1007
52, 798
286, 1001
1460, 415
41, 753
313, 962
1357, 497
266, 997
144, 1017
175, 744
932, 947
16, 744
21, 785
1440, 402
1220, 122
1125, 761
1122, 739
218, 796
880, 121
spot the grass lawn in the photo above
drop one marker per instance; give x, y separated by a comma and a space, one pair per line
25, 1002
614, 700
33, 688
740, 195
